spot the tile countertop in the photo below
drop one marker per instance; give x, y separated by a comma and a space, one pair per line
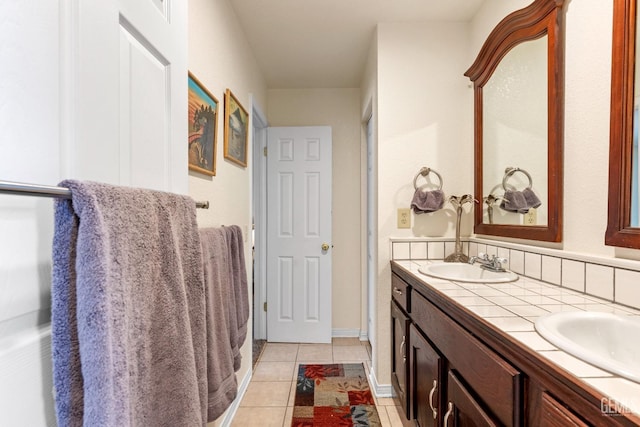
514, 307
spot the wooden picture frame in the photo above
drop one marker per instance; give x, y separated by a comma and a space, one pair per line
236, 130
203, 128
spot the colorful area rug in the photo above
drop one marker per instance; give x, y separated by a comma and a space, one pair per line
333, 395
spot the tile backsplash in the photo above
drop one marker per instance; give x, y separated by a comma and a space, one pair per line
613, 280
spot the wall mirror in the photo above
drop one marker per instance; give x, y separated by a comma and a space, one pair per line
518, 125
623, 228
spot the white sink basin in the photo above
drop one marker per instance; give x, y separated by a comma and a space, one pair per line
463, 272
605, 340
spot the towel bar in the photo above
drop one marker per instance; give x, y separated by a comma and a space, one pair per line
508, 172
424, 172
24, 189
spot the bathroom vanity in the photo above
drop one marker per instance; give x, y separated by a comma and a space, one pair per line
450, 366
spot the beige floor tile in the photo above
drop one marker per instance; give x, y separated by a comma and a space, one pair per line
279, 352
384, 417
350, 353
273, 371
267, 393
386, 401
320, 353
288, 417
346, 341
292, 394
395, 419
259, 417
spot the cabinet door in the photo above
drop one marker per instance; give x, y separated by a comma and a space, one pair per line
424, 380
554, 414
462, 409
399, 362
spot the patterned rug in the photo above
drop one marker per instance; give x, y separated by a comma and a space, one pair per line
333, 395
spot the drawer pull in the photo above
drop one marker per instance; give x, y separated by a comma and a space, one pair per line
448, 414
397, 291
403, 344
433, 390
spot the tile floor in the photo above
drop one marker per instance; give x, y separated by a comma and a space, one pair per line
270, 395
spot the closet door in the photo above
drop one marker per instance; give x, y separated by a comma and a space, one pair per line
124, 92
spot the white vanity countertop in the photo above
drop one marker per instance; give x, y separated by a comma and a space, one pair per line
514, 307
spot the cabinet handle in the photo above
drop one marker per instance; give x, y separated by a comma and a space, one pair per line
403, 344
397, 291
447, 415
433, 390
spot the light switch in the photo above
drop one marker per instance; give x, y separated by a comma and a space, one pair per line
404, 218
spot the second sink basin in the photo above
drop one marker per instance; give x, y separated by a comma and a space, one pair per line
605, 340
463, 272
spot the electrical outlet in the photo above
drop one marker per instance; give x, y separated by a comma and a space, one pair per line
531, 217
404, 218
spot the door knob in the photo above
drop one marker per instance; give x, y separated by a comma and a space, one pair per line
325, 247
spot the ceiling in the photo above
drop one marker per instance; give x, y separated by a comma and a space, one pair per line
324, 43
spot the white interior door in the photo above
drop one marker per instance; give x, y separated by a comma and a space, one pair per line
298, 225
127, 93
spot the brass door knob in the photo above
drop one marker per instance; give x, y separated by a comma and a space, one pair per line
325, 247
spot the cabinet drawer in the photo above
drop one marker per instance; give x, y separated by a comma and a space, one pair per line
488, 375
400, 292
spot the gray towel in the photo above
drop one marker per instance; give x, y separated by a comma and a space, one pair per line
240, 303
128, 309
530, 197
519, 201
427, 201
221, 378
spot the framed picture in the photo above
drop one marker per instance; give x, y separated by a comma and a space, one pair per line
203, 128
236, 126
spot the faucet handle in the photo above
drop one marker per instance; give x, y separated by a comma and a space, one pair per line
483, 256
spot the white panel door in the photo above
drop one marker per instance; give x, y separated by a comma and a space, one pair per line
298, 225
127, 92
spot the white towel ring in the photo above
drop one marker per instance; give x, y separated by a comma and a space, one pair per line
424, 172
508, 172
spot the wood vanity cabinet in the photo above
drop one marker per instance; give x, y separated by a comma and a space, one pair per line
399, 367
400, 304
462, 371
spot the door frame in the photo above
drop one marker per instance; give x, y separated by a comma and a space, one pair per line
259, 126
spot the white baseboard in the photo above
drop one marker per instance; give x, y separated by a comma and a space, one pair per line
380, 390
242, 389
364, 336
345, 333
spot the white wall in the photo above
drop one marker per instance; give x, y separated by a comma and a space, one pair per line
424, 119
220, 57
340, 109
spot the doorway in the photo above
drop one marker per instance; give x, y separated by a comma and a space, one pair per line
259, 215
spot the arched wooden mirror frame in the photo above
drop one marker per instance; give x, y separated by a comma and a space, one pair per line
619, 231
540, 18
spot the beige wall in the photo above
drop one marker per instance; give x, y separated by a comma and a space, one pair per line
220, 58
424, 118
340, 109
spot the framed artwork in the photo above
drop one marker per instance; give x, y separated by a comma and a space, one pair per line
203, 128
236, 126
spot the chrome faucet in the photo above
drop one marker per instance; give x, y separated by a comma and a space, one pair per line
492, 264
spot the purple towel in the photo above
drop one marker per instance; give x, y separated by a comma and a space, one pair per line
128, 309
221, 321
240, 303
427, 201
519, 201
